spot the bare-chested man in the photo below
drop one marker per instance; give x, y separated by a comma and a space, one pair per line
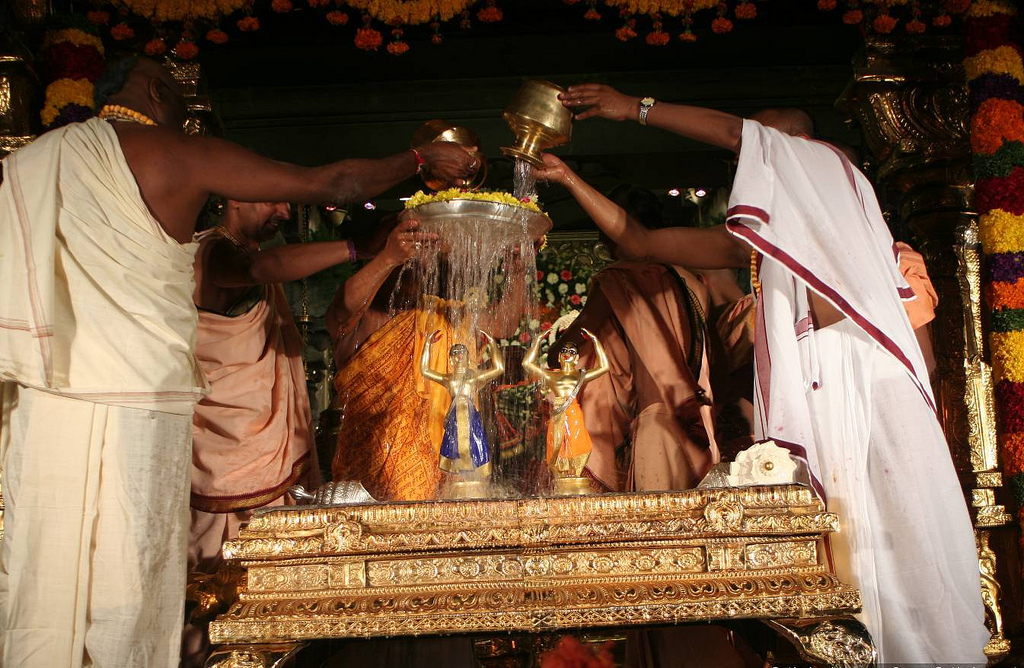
97, 329
841, 380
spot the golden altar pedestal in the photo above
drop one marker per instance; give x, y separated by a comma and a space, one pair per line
537, 565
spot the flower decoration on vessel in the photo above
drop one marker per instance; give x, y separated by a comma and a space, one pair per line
497, 196
996, 82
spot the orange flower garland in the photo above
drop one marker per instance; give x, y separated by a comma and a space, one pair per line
217, 36
337, 18
368, 39
155, 47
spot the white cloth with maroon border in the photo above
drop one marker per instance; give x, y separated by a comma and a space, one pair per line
854, 399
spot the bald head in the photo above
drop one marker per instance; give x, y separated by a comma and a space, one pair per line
146, 86
791, 121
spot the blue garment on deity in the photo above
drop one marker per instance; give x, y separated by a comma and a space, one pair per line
479, 452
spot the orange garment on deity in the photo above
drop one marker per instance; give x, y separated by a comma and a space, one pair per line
568, 443
393, 418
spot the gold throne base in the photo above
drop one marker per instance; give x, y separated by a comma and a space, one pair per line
541, 564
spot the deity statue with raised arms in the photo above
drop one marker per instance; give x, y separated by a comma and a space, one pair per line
464, 448
568, 443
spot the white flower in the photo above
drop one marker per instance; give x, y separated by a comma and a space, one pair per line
552, 279
581, 288
763, 463
534, 324
562, 288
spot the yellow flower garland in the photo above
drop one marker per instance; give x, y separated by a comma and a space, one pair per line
1003, 60
457, 193
668, 7
1001, 232
74, 36
162, 11
410, 12
1007, 364
63, 92
990, 7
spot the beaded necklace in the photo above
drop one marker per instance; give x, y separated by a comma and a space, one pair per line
115, 112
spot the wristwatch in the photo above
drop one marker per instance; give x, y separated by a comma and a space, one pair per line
645, 108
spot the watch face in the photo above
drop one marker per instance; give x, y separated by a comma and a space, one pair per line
647, 101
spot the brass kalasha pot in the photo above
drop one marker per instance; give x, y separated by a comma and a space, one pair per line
539, 120
438, 130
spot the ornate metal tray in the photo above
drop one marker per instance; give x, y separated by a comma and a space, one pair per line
479, 218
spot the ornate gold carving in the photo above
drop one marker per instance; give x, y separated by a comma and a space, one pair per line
997, 646
993, 479
254, 656
840, 643
212, 594
533, 565
9, 145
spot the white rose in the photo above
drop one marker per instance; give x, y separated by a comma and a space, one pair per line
552, 279
580, 288
563, 288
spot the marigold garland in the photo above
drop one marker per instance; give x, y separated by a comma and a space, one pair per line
1001, 60
63, 92
1001, 231
995, 122
996, 82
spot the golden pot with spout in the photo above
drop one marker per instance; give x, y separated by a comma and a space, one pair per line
438, 130
538, 119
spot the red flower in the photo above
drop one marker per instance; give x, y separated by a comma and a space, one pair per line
1001, 193
368, 39
525, 336
853, 17
248, 24
155, 47
657, 38
217, 36
721, 25
186, 50
591, 15
337, 18
99, 18
566, 275
397, 48
625, 33
490, 14
915, 26
575, 300
746, 10
65, 60
826, 5
687, 37
540, 275
121, 32
281, 6
884, 23
941, 21
957, 6
545, 326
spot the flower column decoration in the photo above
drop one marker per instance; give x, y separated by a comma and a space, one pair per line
72, 58
996, 81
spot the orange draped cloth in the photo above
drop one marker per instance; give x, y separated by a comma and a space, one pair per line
252, 435
393, 417
568, 440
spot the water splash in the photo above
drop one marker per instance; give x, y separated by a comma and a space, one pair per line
524, 183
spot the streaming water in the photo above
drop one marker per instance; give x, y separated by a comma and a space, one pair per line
480, 275
524, 183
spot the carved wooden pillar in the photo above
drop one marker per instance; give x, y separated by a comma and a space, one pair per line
909, 98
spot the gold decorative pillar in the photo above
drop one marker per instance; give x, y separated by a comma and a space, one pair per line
18, 94
909, 98
200, 119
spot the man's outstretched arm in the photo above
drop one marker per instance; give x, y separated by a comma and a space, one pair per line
708, 248
709, 126
227, 267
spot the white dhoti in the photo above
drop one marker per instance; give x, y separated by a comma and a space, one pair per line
853, 399
104, 554
905, 540
97, 330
